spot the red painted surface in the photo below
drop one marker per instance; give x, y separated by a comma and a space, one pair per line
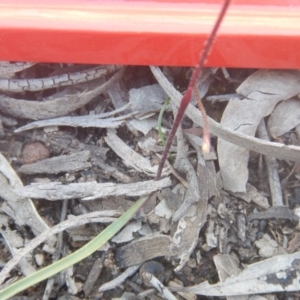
253, 35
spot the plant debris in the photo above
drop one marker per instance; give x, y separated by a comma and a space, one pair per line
223, 224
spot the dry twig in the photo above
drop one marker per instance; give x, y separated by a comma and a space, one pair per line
272, 167
98, 216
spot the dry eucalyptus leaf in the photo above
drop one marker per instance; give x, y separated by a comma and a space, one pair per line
285, 116
144, 249
77, 121
227, 266
242, 116
271, 84
277, 150
194, 217
263, 90
186, 296
150, 144
143, 126
126, 234
129, 156
252, 194
147, 98
277, 274
162, 210
119, 96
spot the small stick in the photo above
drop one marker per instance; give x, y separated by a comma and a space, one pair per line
93, 275
175, 173
57, 253
272, 167
96, 216
187, 96
150, 278
21, 85
118, 280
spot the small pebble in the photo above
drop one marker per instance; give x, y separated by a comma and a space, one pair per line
155, 268
192, 263
39, 259
34, 151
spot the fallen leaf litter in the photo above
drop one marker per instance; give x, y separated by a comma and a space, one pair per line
216, 225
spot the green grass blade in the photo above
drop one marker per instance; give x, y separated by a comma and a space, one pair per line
159, 121
73, 258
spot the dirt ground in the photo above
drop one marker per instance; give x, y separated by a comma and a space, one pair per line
88, 139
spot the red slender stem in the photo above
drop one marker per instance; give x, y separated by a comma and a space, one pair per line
188, 94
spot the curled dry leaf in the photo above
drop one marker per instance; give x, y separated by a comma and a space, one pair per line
126, 234
262, 91
145, 248
183, 165
253, 195
119, 96
285, 116
147, 98
77, 121
192, 212
227, 266
277, 150
271, 84
130, 157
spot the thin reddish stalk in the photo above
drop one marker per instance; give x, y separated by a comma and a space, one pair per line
188, 94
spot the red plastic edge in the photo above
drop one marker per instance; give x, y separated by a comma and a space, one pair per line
253, 35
